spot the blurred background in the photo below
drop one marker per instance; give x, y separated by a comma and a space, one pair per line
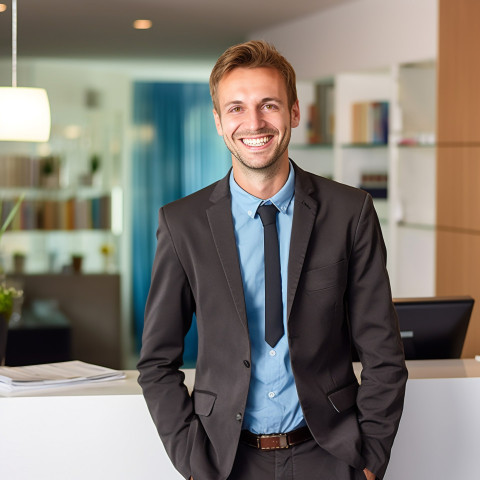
132, 129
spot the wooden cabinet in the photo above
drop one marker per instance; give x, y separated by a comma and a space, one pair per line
91, 303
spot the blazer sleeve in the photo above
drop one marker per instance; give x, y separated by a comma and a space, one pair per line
168, 316
376, 336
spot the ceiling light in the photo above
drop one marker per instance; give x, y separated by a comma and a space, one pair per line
142, 24
24, 112
3, 7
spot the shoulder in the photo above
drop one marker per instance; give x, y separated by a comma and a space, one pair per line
189, 213
199, 200
325, 190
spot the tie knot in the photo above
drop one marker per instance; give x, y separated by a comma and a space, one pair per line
268, 214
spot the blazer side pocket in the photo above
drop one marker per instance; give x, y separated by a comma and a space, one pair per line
344, 398
203, 402
325, 277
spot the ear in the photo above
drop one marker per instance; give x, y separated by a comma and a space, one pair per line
295, 115
218, 122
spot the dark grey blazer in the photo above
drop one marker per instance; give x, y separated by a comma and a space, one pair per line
337, 285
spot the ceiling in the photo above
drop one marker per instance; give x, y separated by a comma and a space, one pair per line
189, 29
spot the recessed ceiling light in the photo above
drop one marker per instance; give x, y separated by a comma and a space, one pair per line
142, 24
3, 7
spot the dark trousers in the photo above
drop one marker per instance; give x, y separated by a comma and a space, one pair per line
306, 461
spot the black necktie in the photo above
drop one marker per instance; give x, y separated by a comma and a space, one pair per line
273, 283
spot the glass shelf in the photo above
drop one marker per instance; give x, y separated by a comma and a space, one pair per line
417, 226
58, 192
364, 145
417, 145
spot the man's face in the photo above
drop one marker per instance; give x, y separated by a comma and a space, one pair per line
254, 118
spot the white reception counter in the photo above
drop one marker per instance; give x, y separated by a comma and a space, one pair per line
104, 431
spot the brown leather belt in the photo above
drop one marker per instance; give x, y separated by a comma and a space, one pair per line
276, 440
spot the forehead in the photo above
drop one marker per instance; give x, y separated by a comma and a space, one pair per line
244, 83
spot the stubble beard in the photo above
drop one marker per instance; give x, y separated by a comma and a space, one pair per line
271, 166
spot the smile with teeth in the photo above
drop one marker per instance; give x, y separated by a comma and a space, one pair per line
256, 142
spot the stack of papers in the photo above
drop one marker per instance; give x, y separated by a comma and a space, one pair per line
16, 379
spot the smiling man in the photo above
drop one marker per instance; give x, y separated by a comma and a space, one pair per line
284, 271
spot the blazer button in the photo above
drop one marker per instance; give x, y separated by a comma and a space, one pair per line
238, 417
246, 363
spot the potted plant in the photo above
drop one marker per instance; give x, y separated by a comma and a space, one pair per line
50, 172
90, 178
77, 262
107, 250
19, 259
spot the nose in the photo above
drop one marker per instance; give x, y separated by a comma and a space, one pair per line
255, 120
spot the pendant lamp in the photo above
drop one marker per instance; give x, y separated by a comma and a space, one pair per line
24, 112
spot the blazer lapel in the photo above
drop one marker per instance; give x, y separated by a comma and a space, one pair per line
219, 216
304, 215
221, 224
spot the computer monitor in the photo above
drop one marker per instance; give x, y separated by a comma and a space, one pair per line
433, 328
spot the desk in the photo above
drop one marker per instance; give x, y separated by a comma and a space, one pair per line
104, 431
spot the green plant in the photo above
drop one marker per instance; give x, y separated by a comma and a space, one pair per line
7, 298
11, 215
94, 163
48, 166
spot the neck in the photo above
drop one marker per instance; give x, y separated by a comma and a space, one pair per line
261, 183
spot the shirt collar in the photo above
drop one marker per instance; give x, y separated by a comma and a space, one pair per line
250, 203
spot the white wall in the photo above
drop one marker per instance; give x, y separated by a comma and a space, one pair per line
364, 34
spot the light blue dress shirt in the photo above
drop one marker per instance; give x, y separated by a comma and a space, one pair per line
272, 404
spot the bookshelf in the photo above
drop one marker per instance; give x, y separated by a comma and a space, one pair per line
398, 169
308, 152
73, 201
362, 157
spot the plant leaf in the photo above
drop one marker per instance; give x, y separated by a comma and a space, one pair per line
12, 214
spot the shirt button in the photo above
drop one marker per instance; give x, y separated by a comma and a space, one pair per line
271, 394
249, 213
272, 353
246, 363
238, 417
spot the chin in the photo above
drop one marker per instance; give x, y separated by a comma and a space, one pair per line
261, 165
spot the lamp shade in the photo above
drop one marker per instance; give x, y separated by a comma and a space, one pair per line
24, 114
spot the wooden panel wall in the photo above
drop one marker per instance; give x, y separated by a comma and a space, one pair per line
458, 158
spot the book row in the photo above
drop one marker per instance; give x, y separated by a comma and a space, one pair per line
69, 214
375, 183
370, 122
24, 171
321, 115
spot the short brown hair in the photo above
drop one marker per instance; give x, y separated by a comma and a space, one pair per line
253, 54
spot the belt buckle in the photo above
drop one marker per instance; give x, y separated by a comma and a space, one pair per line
282, 441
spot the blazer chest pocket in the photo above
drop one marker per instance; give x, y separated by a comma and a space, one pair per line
203, 402
344, 398
325, 277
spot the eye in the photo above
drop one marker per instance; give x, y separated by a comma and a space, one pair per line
235, 109
270, 106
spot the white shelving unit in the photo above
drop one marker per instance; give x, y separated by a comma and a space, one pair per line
351, 161
48, 247
413, 167
407, 216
